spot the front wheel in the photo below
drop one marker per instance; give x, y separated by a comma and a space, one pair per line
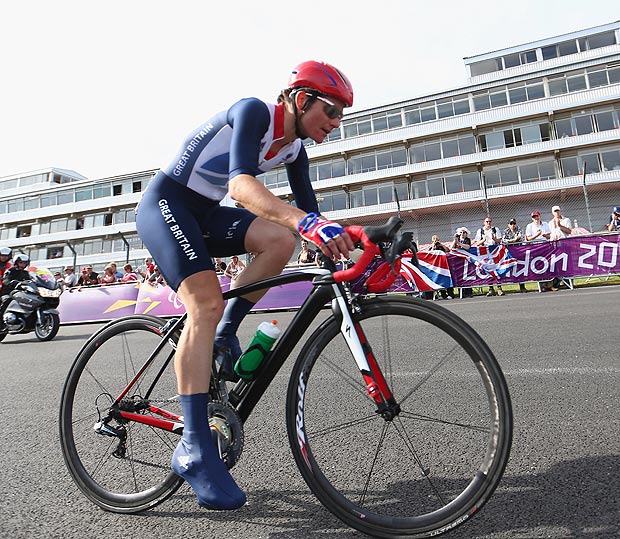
431, 467
47, 330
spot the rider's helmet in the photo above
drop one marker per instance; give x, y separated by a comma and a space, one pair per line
21, 258
324, 78
615, 209
6, 251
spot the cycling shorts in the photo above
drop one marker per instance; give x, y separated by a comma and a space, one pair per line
182, 229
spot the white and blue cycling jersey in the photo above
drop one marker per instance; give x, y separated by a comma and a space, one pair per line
238, 141
180, 219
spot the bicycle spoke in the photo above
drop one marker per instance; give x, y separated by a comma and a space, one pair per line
374, 462
421, 417
429, 374
342, 426
425, 470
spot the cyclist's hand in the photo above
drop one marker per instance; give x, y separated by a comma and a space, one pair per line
328, 236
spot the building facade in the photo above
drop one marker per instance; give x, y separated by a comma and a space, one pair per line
535, 125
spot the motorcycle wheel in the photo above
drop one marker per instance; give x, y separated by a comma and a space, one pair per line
3, 333
48, 330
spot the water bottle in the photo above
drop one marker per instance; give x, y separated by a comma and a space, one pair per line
259, 347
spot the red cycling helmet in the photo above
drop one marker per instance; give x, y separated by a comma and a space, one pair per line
323, 78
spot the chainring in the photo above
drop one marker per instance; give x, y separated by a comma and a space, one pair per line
227, 431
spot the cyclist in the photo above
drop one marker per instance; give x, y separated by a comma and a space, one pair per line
5, 262
182, 225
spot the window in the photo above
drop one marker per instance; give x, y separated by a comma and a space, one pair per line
597, 41
607, 120
332, 200
278, 177
83, 193
387, 120
24, 231
56, 251
610, 160
561, 49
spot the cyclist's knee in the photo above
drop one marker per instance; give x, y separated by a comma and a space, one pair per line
269, 238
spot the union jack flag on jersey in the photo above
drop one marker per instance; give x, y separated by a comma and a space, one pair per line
494, 261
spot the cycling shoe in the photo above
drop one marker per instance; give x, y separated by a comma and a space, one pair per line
207, 474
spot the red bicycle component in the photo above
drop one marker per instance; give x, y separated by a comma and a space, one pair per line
370, 251
382, 278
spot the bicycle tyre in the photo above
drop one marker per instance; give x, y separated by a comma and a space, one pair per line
433, 466
108, 360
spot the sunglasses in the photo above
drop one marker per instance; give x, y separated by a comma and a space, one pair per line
332, 110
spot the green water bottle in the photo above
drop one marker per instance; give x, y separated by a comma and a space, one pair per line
259, 347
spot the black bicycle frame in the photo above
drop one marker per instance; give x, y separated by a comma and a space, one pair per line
246, 394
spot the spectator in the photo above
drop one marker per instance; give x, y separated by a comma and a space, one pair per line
220, 267
489, 235
88, 277
234, 268
71, 278
129, 275
462, 241
156, 277
146, 269
59, 279
445, 293
560, 226
614, 220
118, 274
514, 234
537, 230
109, 275
306, 255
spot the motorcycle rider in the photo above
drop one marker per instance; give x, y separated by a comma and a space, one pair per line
5, 262
16, 273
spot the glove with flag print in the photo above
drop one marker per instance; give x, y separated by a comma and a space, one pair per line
318, 230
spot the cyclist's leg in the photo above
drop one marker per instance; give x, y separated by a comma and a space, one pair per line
169, 222
273, 246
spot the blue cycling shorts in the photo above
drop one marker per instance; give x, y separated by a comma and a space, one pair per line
182, 229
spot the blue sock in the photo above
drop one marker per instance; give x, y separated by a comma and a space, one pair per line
226, 334
197, 460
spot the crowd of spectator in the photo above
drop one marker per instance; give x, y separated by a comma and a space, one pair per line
538, 230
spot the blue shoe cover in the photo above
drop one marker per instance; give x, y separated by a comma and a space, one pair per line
209, 477
198, 462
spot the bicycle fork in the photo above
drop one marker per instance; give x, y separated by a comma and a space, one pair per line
376, 385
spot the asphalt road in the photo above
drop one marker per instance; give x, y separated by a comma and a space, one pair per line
559, 352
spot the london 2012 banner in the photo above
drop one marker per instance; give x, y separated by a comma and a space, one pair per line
575, 256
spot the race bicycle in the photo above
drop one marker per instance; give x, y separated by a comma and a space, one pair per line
397, 412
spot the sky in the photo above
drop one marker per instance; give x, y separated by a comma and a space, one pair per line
110, 88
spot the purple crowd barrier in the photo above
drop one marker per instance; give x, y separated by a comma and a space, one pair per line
575, 256
102, 303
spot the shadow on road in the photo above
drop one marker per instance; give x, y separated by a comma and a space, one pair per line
574, 499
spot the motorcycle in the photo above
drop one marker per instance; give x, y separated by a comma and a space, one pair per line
32, 306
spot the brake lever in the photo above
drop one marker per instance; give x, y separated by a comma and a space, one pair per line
402, 242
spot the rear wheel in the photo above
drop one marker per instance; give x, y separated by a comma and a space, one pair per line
438, 461
126, 468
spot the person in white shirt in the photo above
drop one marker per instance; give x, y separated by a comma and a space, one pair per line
560, 226
537, 230
489, 235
